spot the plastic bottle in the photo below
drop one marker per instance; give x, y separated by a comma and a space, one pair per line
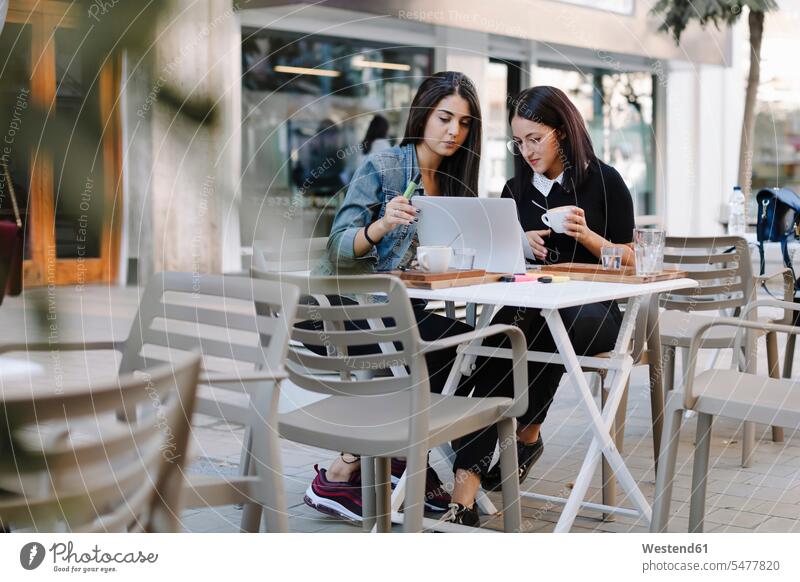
737, 222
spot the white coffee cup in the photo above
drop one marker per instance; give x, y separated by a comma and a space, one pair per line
554, 218
434, 259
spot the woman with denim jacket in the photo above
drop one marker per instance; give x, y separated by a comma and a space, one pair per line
375, 230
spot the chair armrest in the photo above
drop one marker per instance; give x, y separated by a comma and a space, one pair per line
462, 338
212, 378
788, 284
787, 306
519, 351
62, 346
689, 399
781, 272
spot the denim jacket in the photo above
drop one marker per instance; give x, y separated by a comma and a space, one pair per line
380, 178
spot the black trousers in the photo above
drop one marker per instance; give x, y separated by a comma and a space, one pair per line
431, 327
592, 329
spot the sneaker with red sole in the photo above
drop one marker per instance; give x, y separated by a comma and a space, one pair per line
336, 498
437, 499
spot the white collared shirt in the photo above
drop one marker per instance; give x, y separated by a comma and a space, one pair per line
544, 184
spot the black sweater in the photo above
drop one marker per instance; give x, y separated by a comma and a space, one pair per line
604, 198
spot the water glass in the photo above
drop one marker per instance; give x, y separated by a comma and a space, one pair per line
464, 259
611, 258
648, 246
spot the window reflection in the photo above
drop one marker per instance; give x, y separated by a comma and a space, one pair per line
302, 124
15, 104
77, 152
618, 109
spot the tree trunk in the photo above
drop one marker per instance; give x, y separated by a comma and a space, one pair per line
756, 22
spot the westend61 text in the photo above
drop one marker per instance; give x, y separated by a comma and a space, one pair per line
671, 549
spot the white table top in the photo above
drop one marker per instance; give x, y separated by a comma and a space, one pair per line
548, 295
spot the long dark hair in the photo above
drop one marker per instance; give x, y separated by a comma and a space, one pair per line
458, 174
551, 106
378, 129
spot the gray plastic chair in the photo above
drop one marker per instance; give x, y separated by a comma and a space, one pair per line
391, 416
240, 379
289, 255
726, 282
76, 466
731, 393
243, 353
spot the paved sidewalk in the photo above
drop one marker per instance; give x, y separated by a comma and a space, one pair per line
763, 498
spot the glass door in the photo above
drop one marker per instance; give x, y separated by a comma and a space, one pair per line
15, 101
504, 79
68, 180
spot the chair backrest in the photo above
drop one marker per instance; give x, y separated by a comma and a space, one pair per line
215, 314
74, 464
397, 330
721, 266
290, 255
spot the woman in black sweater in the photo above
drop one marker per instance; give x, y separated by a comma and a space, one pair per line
555, 166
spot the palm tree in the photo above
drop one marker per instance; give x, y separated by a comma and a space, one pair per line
678, 14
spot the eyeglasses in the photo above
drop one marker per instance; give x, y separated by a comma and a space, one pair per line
529, 143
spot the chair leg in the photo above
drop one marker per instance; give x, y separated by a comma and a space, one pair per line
788, 357
670, 438
247, 452
684, 365
702, 448
472, 314
414, 504
266, 462
748, 443
619, 421
383, 494
656, 376
251, 512
597, 385
774, 372
618, 434
668, 359
368, 494
748, 428
512, 509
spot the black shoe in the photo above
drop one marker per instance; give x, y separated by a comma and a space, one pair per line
527, 455
462, 515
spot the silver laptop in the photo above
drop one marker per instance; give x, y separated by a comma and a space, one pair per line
488, 225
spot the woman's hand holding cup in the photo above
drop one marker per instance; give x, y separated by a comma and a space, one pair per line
575, 224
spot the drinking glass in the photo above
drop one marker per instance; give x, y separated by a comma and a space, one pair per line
464, 259
611, 257
648, 246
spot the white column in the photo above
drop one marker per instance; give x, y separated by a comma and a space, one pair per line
711, 180
196, 167
681, 163
467, 51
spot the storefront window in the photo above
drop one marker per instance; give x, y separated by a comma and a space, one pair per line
618, 109
619, 6
307, 103
776, 151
